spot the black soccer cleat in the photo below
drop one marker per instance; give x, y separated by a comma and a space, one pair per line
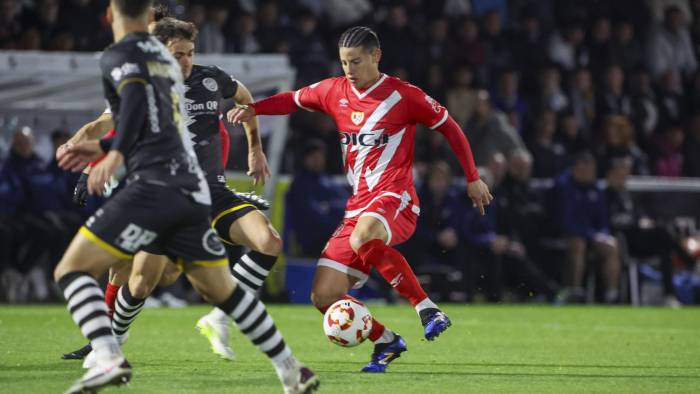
78, 354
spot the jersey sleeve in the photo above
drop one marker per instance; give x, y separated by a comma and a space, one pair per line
121, 69
424, 109
313, 97
228, 84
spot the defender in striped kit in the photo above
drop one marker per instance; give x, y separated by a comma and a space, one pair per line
235, 216
163, 209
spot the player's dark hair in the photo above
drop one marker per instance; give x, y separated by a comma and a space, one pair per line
359, 36
169, 28
160, 11
132, 8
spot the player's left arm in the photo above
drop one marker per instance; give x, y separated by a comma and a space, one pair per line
257, 162
429, 112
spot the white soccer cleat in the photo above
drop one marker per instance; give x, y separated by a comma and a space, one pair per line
217, 333
90, 361
301, 381
112, 372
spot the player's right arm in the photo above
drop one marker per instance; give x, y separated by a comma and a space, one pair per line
96, 129
310, 98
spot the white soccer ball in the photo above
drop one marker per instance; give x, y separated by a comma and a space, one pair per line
347, 323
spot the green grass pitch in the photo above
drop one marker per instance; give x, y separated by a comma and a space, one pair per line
489, 349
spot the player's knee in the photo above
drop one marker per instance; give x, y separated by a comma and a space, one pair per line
269, 243
359, 238
322, 299
141, 286
168, 278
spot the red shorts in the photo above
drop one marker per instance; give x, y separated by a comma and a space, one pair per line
399, 217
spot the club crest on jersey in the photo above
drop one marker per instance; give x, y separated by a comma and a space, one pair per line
357, 117
210, 84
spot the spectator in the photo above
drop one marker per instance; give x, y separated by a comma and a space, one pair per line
436, 243
627, 51
600, 45
244, 38
619, 141
522, 215
612, 99
468, 49
669, 156
498, 53
346, 12
307, 50
314, 204
582, 209
669, 100
550, 156
691, 148
670, 49
437, 48
498, 261
507, 99
645, 112
529, 47
570, 135
582, 100
566, 48
551, 95
211, 37
461, 97
643, 238
271, 29
489, 131
397, 31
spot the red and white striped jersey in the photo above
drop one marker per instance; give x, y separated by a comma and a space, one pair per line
377, 130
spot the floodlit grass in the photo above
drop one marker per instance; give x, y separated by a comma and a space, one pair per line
506, 349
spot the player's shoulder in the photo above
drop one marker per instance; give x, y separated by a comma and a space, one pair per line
402, 86
208, 71
328, 83
134, 48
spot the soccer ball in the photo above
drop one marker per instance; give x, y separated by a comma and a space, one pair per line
347, 322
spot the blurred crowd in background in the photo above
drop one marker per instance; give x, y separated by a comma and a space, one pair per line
568, 91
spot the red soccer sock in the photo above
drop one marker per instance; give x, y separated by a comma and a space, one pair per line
394, 268
111, 297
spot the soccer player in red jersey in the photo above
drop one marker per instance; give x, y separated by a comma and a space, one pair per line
376, 115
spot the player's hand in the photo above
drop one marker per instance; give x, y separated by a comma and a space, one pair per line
80, 192
240, 113
100, 174
257, 166
479, 194
75, 157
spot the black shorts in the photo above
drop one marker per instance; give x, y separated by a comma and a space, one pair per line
226, 208
158, 220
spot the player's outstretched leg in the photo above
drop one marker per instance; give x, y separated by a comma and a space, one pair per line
251, 229
87, 307
250, 315
398, 273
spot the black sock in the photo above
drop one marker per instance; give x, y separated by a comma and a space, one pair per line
252, 320
126, 308
87, 307
252, 269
